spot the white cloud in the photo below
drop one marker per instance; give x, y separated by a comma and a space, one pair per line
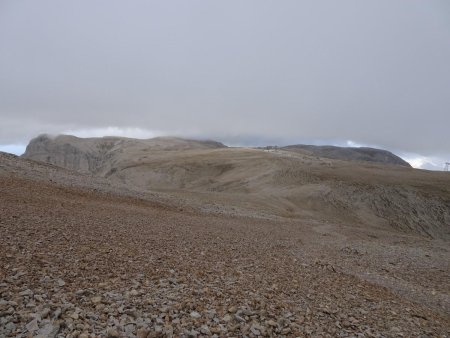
351, 143
115, 131
425, 162
417, 162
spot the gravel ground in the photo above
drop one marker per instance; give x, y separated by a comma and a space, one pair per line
77, 261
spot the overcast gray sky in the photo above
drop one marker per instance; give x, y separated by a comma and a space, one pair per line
244, 72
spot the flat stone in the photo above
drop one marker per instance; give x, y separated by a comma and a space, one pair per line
112, 333
26, 292
57, 313
205, 330
10, 327
271, 323
96, 299
50, 330
239, 318
142, 333
226, 318
33, 325
195, 314
232, 309
45, 312
255, 331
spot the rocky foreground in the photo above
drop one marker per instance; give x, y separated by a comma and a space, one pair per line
82, 262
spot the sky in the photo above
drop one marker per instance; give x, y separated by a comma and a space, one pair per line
254, 72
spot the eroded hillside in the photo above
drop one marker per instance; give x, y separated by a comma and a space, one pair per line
285, 182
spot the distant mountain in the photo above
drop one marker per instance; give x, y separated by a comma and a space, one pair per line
350, 185
98, 154
94, 154
350, 153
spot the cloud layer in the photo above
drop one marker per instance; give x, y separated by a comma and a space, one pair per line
248, 72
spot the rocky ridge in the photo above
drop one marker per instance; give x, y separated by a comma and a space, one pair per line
365, 154
92, 155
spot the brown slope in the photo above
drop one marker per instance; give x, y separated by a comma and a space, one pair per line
282, 183
83, 261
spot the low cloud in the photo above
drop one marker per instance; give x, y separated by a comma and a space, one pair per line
425, 162
115, 131
244, 73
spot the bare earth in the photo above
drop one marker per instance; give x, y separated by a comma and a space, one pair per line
86, 256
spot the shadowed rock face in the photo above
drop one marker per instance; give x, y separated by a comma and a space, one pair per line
350, 153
